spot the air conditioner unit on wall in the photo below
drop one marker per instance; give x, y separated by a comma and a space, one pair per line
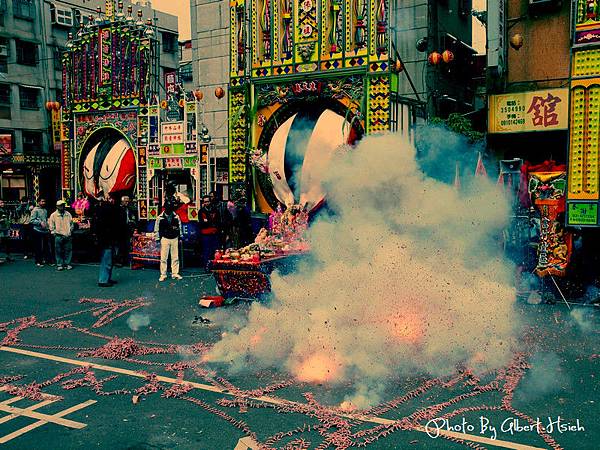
3, 50
63, 17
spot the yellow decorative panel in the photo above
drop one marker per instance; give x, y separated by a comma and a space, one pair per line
584, 141
586, 63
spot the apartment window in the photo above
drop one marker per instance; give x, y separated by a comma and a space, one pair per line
13, 187
169, 42
24, 9
26, 53
2, 12
29, 98
5, 101
57, 58
4, 54
464, 8
185, 72
32, 141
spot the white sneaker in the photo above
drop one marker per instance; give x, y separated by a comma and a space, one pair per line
69, 267
176, 276
162, 278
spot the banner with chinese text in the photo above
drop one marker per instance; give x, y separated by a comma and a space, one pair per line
544, 110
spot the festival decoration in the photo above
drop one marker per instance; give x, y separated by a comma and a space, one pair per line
329, 55
447, 56
434, 58
246, 271
547, 191
119, 137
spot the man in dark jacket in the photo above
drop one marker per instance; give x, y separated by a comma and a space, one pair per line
128, 218
168, 229
108, 228
208, 219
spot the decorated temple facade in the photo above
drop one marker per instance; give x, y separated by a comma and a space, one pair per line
305, 77
120, 132
583, 194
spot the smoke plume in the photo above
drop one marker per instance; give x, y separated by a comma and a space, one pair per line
405, 274
137, 321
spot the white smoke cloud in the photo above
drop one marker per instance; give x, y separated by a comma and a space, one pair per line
138, 320
405, 275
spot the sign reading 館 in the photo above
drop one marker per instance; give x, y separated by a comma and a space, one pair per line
544, 110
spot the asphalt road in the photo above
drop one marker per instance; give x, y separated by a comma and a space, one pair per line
562, 380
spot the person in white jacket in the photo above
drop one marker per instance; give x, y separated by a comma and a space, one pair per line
61, 226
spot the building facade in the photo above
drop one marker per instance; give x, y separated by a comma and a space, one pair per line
33, 36
210, 52
524, 65
420, 28
250, 47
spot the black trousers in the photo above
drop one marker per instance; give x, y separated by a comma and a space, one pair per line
43, 252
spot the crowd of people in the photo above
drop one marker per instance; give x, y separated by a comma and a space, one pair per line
48, 237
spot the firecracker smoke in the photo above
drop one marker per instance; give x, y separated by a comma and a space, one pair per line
406, 275
136, 321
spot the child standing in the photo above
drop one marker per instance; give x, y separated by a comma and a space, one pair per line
168, 230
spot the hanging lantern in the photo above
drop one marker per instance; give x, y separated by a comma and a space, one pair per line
434, 58
516, 41
198, 94
56, 106
164, 104
398, 66
219, 92
49, 106
448, 56
181, 103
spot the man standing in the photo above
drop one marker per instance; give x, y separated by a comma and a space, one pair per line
39, 220
128, 221
107, 230
209, 231
61, 227
5, 230
224, 217
168, 229
22, 217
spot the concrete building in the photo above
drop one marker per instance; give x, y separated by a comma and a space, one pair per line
419, 28
33, 34
186, 74
525, 64
445, 25
210, 53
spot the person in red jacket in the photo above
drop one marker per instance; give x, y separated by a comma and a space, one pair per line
208, 219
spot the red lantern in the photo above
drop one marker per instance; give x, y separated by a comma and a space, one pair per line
198, 94
448, 56
219, 92
398, 66
434, 58
49, 106
516, 41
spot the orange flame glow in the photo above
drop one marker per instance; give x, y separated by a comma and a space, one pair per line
407, 327
318, 368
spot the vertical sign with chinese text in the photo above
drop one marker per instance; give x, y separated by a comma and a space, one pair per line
105, 48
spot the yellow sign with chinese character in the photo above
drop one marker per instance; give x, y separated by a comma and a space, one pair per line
544, 110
